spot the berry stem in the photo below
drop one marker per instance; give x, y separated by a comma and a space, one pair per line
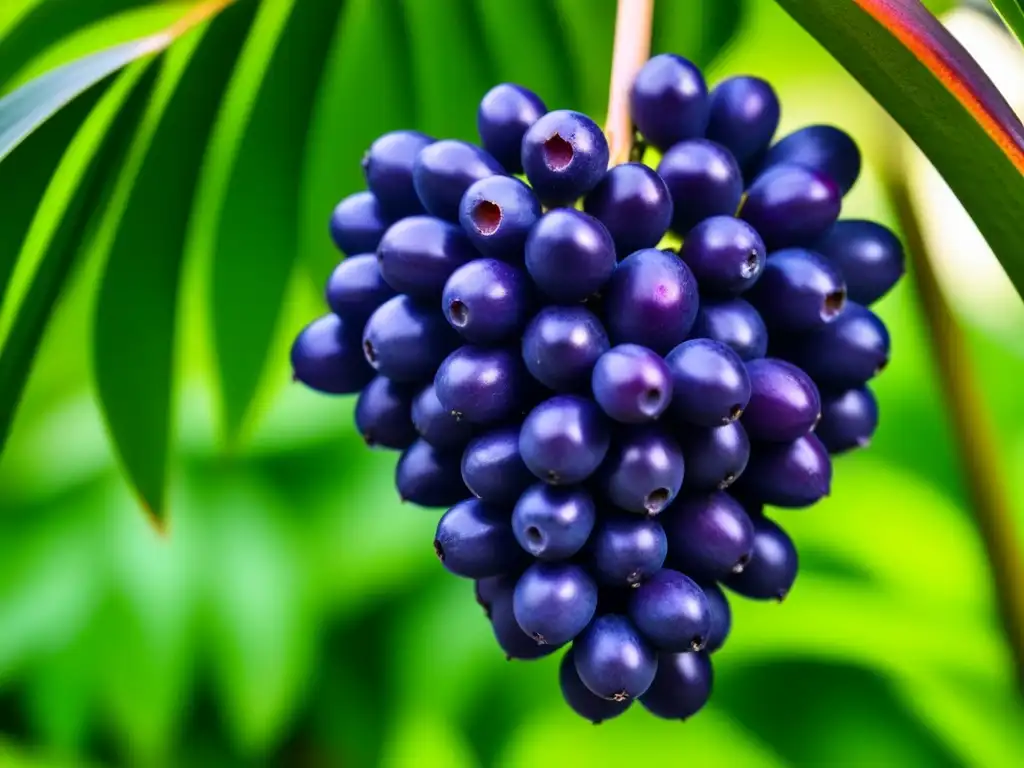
972, 427
634, 21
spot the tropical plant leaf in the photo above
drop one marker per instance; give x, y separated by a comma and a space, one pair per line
1012, 12
925, 79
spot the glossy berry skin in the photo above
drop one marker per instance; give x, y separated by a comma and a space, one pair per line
406, 341
325, 356
644, 470
869, 257
791, 206
388, 167
725, 254
506, 112
773, 565
613, 660
581, 699
515, 643
721, 617
553, 523
357, 223
743, 116
652, 300
561, 345
493, 469
356, 288
564, 439
490, 589
795, 474
703, 179
848, 420
553, 602
564, 155
632, 384
474, 540
568, 242
784, 402
445, 170
671, 612
382, 414
735, 323
714, 456
822, 148
682, 686
669, 101
710, 385
798, 291
497, 213
429, 477
481, 385
625, 550
634, 203
487, 301
418, 254
845, 353
436, 424
709, 536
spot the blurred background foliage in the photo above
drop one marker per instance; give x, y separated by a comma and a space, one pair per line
295, 615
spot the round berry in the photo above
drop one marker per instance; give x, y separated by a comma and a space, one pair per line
681, 687
845, 353
382, 414
405, 341
326, 357
564, 155
634, 203
613, 660
626, 549
388, 169
428, 476
564, 439
735, 323
553, 602
714, 456
652, 300
798, 291
703, 179
632, 384
515, 643
561, 345
644, 470
710, 385
580, 698
356, 288
869, 256
773, 565
490, 589
497, 213
418, 254
493, 468
358, 223
481, 385
725, 254
743, 116
709, 536
474, 540
848, 420
487, 301
569, 255
436, 424
721, 617
784, 402
445, 170
821, 148
795, 474
669, 101
506, 112
553, 523
671, 612
791, 206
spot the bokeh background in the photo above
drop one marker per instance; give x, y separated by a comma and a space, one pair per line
296, 614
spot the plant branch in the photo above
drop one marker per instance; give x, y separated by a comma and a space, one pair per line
634, 21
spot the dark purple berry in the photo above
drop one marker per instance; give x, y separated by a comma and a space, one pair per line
569, 255
493, 469
704, 180
744, 115
671, 612
497, 213
869, 256
553, 602
564, 439
644, 470
822, 148
510, 636
791, 206
358, 223
721, 617
798, 291
405, 341
326, 357
632, 384
561, 345
681, 687
795, 474
669, 101
725, 254
735, 323
626, 549
709, 536
382, 414
429, 477
481, 385
773, 565
580, 698
474, 540
784, 402
565, 155
848, 420
714, 456
710, 385
388, 169
487, 301
553, 523
613, 660
505, 114
445, 170
436, 424
634, 203
418, 254
490, 589
356, 288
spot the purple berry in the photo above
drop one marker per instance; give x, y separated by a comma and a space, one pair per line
561, 345
564, 439
445, 170
704, 180
564, 155
784, 402
553, 523
487, 301
626, 549
553, 602
634, 203
436, 424
725, 254
773, 565
613, 660
709, 536
671, 612
382, 414
510, 636
744, 115
714, 456
681, 687
505, 114
795, 474
429, 477
418, 254
356, 288
644, 470
493, 469
710, 385
497, 213
632, 384
405, 341
869, 256
564, 243
798, 291
388, 167
669, 101
848, 420
326, 357
580, 698
791, 206
483, 386
822, 148
474, 540
721, 617
735, 323
358, 223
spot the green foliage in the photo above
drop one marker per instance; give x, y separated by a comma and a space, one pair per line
1012, 12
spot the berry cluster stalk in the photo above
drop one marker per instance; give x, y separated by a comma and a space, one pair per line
633, 23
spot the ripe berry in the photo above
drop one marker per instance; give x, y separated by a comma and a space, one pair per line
561, 345
784, 403
481, 385
382, 414
869, 256
725, 254
553, 523
669, 101
714, 456
445, 170
493, 468
388, 169
795, 474
651, 300
356, 288
773, 565
671, 612
505, 114
487, 301
709, 536
845, 353
644, 470
428, 476
564, 155
632, 384
735, 323
626, 549
567, 242
510, 636
326, 357
418, 254
721, 617
436, 424
848, 420
743, 116
634, 203
704, 180
821, 148
581, 699
790, 205
553, 602
490, 589
405, 341
564, 439
497, 213
798, 291
613, 660
474, 540
710, 385
358, 223
681, 687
